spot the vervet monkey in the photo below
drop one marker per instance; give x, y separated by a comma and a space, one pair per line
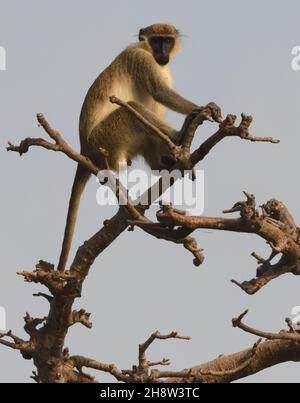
139, 75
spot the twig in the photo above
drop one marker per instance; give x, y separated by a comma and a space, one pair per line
237, 322
79, 362
60, 145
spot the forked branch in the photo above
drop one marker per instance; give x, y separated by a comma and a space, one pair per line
273, 223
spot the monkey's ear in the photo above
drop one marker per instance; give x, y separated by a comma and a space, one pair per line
142, 35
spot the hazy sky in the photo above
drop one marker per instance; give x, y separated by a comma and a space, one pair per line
236, 53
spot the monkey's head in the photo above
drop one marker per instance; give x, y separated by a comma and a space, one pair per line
161, 40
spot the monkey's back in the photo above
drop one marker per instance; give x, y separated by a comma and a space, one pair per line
122, 79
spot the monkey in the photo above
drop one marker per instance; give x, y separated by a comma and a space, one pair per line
139, 75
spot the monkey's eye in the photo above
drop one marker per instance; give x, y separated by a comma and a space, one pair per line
169, 42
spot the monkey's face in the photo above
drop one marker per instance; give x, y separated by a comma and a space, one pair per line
162, 47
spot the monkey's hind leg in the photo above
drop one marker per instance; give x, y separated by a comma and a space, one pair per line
174, 134
124, 136
155, 152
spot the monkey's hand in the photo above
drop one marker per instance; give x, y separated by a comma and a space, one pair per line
215, 110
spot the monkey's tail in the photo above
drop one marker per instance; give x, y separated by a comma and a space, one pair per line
80, 180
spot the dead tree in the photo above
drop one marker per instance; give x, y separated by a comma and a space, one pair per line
46, 336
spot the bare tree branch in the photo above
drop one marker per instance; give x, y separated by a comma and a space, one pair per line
46, 344
274, 224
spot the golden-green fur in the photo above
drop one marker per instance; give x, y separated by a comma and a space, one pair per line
135, 77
